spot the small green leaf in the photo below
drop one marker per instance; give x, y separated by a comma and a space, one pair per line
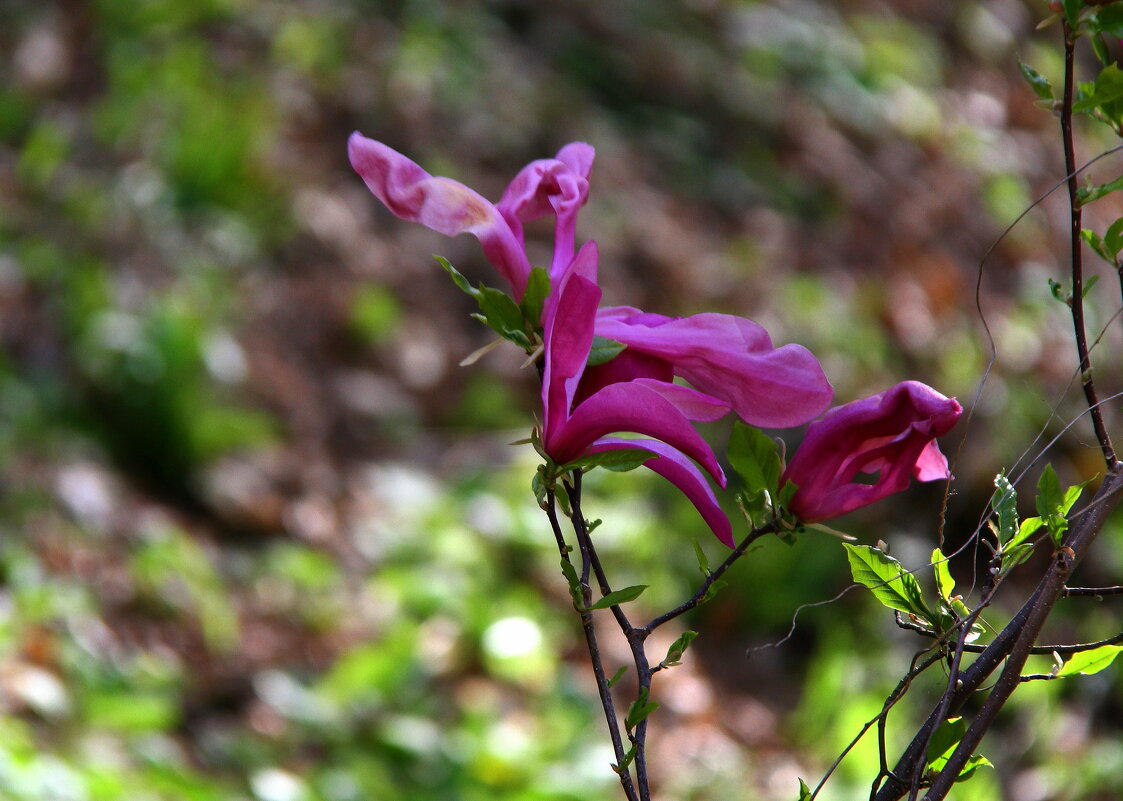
618, 597
1037, 82
1113, 237
755, 457
619, 461
537, 289
678, 648
714, 589
604, 350
570, 573
1085, 663
1018, 548
1005, 506
786, 492
703, 562
457, 277
944, 741
629, 757
1095, 243
1072, 11
1091, 281
1109, 20
619, 674
1058, 292
945, 584
804, 791
640, 709
1088, 194
890, 583
974, 762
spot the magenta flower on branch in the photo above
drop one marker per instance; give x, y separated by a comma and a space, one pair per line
728, 357
657, 409
885, 439
449, 207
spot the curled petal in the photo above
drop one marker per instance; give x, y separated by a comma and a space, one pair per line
683, 473
442, 204
568, 334
868, 449
629, 407
559, 186
731, 358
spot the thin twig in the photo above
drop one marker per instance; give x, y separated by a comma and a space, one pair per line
1076, 241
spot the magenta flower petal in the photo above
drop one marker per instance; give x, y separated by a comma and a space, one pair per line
442, 204
693, 404
730, 358
681, 472
568, 332
559, 186
630, 407
886, 439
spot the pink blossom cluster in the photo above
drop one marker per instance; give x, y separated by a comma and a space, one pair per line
853, 455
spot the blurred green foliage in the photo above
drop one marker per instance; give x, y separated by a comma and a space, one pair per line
259, 538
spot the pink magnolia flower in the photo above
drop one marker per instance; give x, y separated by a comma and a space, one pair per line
449, 207
889, 438
650, 407
728, 357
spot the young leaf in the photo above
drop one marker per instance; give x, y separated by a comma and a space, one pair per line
1005, 506
619, 674
1085, 663
756, 459
639, 710
618, 597
1037, 82
804, 791
1018, 549
1095, 243
890, 583
703, 562
1072, 11
604, 350
713, 589
1109, 20
619, 461
1088, 194
457, 277
1058, 292
570, 573
1113, 237
944, 741
945, 584
537, 289
678, 648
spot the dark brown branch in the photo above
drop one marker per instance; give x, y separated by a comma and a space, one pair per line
603, 690
1090, 592
1076, 242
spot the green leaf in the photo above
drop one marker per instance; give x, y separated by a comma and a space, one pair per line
1103, 98
1058, 292
1018, 548
1091, 281
604, 350
1099, 47
944, 741
640, 709
703, 562
1088, 194
1085, 663
1005, 506
755, 457
1113, 237
618, 461
945, 584
537, 289
1095, 243
503, 315
714, 589
1072, 11
1037, 82
570, 573
890, 583
619, 674
804, 791
1109, 20
618, 597
678, 648
457, 277
974, 762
